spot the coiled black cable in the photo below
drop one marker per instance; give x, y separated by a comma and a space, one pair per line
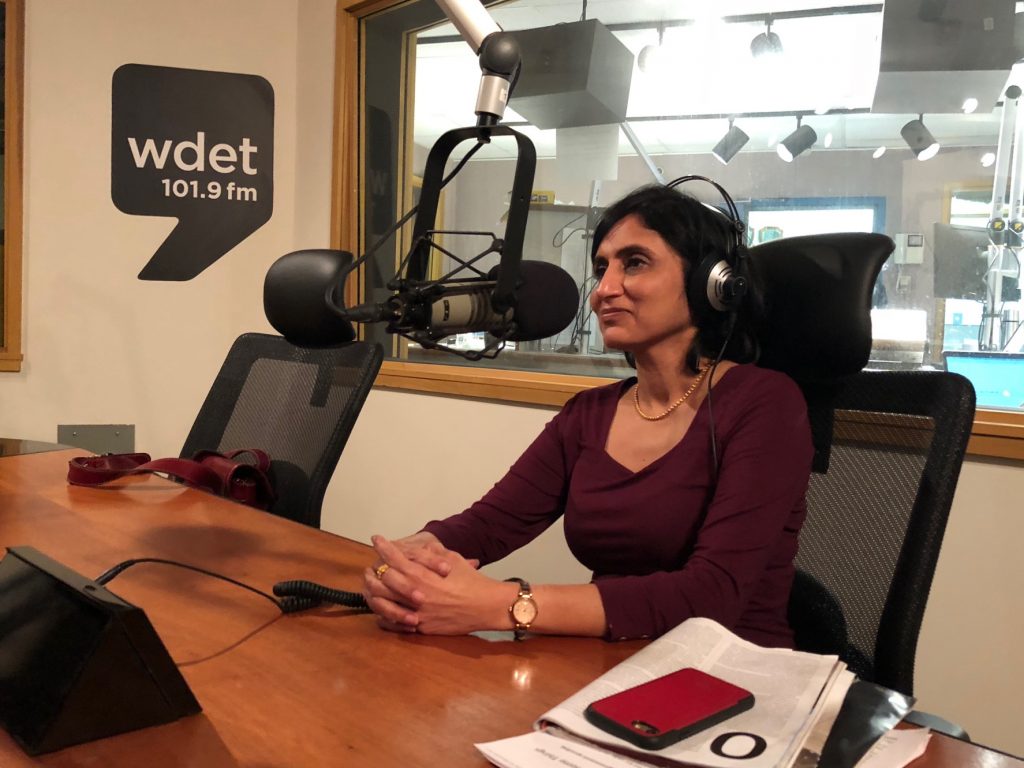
318, 593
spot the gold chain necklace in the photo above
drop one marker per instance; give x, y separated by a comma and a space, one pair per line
690, 390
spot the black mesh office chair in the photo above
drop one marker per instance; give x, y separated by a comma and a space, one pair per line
888, 451
298, 404
876, 519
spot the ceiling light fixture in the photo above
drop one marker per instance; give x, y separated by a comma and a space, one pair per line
730, 144
827, 140
651, 56
798, 141
970, 105
767, 43
988, 159
920, 139
878, 152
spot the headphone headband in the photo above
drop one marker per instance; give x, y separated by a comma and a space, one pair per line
738, 226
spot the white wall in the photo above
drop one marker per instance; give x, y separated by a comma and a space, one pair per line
101, 346
413, 458
971, 655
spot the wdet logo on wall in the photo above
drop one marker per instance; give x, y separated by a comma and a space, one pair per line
198, 146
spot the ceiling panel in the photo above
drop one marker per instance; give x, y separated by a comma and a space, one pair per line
706, 73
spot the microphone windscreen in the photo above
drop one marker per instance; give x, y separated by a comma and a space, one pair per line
294, 297
546, 297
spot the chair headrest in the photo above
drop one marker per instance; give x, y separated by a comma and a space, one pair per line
295, 297
817, 292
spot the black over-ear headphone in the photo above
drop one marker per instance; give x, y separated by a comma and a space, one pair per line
718, 284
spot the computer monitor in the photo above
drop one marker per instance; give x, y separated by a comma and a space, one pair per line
998, 377
961, 260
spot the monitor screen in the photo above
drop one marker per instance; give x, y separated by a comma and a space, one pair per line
998, 377
961, 261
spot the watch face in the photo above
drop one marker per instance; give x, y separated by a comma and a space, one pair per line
524, 611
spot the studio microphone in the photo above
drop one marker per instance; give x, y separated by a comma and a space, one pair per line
303, 293
546, 301
303, 300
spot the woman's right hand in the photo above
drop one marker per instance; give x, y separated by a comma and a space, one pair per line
425, 549
422, 548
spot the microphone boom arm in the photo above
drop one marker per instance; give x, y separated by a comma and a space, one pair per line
496, 50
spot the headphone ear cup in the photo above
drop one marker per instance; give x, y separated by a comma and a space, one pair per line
697, 290
715, 287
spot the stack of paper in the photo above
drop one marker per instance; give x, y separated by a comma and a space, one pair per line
797, 697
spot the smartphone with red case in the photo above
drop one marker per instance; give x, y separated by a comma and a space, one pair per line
665, 710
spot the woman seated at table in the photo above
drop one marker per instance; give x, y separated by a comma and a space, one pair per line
682, 488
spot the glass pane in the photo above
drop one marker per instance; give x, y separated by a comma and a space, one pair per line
875, 104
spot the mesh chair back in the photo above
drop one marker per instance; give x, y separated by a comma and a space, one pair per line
298, 404
875, 520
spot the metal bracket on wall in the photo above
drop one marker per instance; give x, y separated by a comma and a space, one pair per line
98, 438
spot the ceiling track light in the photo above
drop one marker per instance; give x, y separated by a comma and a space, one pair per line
730, 144
650, 55
767, 43
798, 141
920, 139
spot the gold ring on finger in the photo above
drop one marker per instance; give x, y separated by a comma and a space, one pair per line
381, 569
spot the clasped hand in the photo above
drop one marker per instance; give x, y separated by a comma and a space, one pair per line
430, 589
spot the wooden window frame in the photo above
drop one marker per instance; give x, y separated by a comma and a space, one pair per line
997, 434
14, 87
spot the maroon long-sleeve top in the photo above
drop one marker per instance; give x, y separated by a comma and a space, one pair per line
667, 542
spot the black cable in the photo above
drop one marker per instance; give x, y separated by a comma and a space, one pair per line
290, 604
990, 300
711, 412
581, 315
556, 243
462, 162
1002, 304
312, 591
110, 574
990, 297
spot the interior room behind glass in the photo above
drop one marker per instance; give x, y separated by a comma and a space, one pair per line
817, 117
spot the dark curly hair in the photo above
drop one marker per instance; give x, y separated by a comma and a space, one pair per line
694, 230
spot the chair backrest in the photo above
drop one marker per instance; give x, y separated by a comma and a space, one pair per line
298, 404
888, 449
876, 519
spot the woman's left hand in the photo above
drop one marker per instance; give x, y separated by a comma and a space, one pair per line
408, 596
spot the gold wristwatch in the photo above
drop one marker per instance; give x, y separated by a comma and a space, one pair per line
523, 610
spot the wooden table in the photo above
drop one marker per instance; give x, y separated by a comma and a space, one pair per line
325, 687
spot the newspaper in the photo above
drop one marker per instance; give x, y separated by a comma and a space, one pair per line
897, 749
543, 748
787, 687
806, 750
